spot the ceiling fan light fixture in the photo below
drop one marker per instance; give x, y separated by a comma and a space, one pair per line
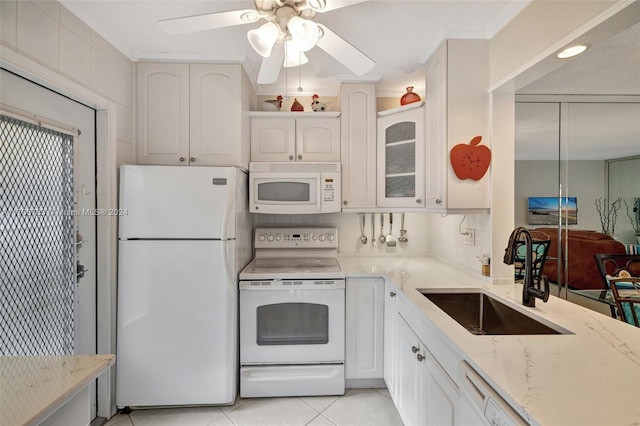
572, 51
262, 39
304, 33
317, 5
293, 57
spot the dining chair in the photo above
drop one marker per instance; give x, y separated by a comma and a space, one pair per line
627, 298
610, 266
540, 251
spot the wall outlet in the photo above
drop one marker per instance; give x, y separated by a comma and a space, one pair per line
470, 238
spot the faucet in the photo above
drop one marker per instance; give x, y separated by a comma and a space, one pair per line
531, 290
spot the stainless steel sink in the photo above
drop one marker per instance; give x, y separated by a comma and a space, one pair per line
482, 314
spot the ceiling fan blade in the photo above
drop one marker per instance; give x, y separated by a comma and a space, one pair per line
337, 4
208, 21
270, 67
345, 52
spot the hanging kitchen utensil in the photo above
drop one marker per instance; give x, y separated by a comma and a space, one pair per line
391, 240
403, 238
373, 230
363, 238
382, 238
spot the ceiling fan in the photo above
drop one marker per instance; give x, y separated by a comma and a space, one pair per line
282, 40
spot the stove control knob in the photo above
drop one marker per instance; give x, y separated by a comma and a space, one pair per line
331, 237
270, 237
314, 237
261, 237
278, 237
323, 237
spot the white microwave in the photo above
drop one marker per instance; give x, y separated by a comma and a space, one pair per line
294, 188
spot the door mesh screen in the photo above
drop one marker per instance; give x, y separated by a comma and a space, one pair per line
37, 247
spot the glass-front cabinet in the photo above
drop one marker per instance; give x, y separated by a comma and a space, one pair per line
401, 170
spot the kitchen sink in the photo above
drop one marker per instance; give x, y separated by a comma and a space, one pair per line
482, 314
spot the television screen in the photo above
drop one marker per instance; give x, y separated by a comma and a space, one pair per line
545, 211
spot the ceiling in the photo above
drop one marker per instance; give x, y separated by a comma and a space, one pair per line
398, 35
610, 71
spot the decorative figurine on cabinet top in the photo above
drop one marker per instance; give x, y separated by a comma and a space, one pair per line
273, 104
316, 105
409, 97
470, 161
296, 106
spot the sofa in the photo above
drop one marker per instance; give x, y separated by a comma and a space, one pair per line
583, 271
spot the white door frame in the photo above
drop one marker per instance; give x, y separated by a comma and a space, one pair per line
107, 193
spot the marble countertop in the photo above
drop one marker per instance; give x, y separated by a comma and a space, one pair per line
33, 387
590, 377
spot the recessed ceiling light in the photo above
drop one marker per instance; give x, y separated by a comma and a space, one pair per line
572, 51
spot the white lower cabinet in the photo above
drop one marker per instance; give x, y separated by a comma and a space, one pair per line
390, 339
364, 333
426, 395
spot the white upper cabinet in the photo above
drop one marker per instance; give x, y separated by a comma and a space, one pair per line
163, 113
401, 144
192, 114
457, 111
358, 145
281, 136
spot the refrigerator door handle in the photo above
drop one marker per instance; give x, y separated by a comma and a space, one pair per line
229, 279
230, 206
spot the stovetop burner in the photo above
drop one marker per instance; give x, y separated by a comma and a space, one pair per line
294, 253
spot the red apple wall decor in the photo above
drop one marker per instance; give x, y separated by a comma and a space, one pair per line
470, 161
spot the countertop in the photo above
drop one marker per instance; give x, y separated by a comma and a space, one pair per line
590, 377
33, 387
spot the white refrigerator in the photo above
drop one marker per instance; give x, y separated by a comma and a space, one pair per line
184, 236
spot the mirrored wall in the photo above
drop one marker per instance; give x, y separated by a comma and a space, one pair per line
577, 157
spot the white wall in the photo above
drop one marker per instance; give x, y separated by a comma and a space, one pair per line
51, 35
586, 181
447, 243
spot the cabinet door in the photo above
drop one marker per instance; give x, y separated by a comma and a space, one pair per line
401, 142
163, 114
443, 396
358, 145
364, 333
390, 339
273, 139
411, 401
318, 139
215, 113
436, 155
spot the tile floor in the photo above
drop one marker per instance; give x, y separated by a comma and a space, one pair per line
366, 407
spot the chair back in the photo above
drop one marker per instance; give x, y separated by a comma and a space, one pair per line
612, 264
626, 294
540, 250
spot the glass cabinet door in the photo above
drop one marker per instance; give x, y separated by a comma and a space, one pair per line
401, 160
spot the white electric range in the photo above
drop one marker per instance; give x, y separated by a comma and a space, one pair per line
292, 315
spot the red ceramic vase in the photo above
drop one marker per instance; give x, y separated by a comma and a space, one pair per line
409, 97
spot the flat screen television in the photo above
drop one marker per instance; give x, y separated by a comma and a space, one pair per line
544, 210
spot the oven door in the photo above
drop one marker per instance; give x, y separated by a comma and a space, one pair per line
286, 193
292, 322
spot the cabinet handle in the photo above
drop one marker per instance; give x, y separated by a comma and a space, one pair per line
414, 349
392, 294
299, 156
192, 160
438, 201
420, 357
291, 157
418, 201
182, 159
345, 202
